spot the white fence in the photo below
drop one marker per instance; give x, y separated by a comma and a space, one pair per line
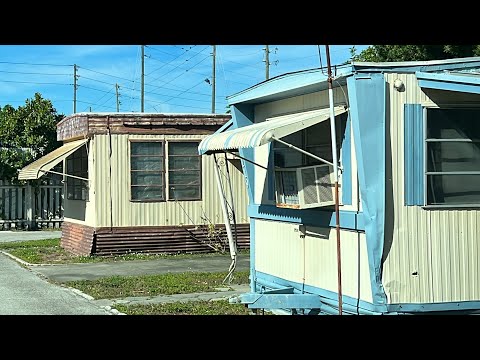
29, 207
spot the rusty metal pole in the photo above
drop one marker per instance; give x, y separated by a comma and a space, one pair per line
335, 172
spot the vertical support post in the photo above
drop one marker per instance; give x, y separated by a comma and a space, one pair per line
29, 207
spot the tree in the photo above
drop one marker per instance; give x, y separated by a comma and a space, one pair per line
26, 134
387, 53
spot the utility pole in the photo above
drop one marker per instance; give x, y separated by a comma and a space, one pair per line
90, 109
74, 88
143, 79
213, 78
267, 62
118, 101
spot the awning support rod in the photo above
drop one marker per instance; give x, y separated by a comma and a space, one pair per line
223, 200
63, 174
250, 161
305, 152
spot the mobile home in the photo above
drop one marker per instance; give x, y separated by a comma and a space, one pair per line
405, 240
134, 182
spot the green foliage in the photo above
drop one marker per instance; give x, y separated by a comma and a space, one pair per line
387, 53
31, 244
26, 134
218, 307
151, 285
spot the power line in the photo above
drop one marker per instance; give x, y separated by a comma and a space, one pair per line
205, 58
106, 93
88, 103
23, 63
161, 51
100, 81
88, 87
33, 82
32, 73
98, 72
150, 57
182, 63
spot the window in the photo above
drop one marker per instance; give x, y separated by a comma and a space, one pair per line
294, 185
148, 171
184, 171
452, 156
77, 165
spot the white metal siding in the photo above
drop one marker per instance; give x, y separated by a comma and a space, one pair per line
169, 213
431, 255
281, 251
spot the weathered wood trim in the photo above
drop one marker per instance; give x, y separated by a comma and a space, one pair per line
89, 124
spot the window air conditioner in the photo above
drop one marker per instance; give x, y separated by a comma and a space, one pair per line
316, 186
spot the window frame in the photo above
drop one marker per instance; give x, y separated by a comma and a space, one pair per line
305, 146
84, 184
427, 173
165, 171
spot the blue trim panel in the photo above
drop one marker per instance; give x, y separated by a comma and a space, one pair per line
351, 220
450, 64
252, 256
243, 115
435, 307
450, 82
438, 85
347, 164
271, 174
229, 125
350, 304
413, 155
280, 301
367, 98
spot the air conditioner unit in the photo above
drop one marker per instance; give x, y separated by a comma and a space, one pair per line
316, 186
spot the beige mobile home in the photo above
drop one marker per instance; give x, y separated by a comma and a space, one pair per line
134, 182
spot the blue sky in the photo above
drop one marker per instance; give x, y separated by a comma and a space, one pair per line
176, 76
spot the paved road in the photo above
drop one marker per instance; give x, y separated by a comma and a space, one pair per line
25, 289
25, 293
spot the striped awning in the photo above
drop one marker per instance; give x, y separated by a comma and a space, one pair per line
262, 133
40, 166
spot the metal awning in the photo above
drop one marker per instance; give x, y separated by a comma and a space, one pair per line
264, 132
40, 166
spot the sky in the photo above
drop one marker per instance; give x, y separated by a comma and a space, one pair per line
177, 78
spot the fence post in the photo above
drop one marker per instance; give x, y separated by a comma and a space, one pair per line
29, 207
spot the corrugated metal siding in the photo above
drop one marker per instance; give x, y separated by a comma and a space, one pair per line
281, 251
126, 213
430, 255
167, 239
